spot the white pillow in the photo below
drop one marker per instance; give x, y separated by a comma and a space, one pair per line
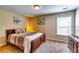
23, 30
18, 31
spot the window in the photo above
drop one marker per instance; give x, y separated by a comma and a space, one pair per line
77, 24
64, 25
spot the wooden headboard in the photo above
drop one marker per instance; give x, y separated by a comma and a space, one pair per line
9, 31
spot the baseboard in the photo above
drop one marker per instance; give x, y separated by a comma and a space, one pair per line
52, 39
2, 44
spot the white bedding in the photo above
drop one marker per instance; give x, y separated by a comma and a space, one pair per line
33, 37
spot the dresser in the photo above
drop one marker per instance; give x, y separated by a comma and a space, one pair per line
73, 44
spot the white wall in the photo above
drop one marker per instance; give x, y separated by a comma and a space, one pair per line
6, 22
51, 26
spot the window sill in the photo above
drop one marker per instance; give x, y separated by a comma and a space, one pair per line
63, 35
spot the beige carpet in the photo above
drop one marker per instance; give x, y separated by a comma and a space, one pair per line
46, 47
52, 47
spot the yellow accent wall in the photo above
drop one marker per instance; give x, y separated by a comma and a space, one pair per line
31, 25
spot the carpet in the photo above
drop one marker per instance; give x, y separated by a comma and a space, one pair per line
52, 47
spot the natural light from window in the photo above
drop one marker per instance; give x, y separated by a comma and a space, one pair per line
64, 25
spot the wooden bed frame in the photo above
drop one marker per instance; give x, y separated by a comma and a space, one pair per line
34, 44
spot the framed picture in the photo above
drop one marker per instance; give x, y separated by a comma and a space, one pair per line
41, 21
17, 20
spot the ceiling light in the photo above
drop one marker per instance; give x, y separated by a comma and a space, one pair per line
65, 8
36, 7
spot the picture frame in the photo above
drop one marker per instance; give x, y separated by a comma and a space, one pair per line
17, 20
41, 21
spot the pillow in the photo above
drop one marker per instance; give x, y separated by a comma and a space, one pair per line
23, 30
18, 31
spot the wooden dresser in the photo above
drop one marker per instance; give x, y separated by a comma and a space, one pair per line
73, 44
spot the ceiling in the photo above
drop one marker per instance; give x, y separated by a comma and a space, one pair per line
27, 10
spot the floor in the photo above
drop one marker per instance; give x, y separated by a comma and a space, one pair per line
53, 47
47, 47
9, 49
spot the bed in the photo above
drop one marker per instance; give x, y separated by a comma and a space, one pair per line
27, 43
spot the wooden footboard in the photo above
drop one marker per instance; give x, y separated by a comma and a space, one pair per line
37, 42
